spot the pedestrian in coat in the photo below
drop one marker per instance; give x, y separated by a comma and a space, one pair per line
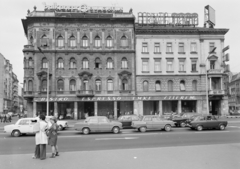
52, 137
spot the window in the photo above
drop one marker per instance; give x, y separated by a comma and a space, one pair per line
194, 85
60, 63
145, 47
30, 62
158, 85
211, 46
194, 65
24, 122
44, 85
24, 86
30, 85
97, 41
93, 120
193, 47
216, 83
181, 65
85, 63
72, 41
124, 84
98, 85
60, 41
31, 40
110, 85
109, 63
145, 65
169, 47
109, 41
145, 86
85, 85
44, 63
85, 41
170, 85
182, 85
60, 85
124, 41
169, 65
72, 85
157, 48
124, 63
212, 64
98, 63
72, 63
103, 120
157, 65
44, 41
181, 47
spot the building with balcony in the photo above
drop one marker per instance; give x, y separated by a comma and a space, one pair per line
234, 93
171, 63
15, 104
89, 54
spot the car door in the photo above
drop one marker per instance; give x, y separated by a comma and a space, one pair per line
31, 124
156, 124
23, 126
104, 124
148, 121
93, 124
127, 121
210, 122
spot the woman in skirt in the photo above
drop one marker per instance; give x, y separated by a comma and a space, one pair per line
52, 137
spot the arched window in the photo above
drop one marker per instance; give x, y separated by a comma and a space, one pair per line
145, 86
124, 63
110, 85
60, 63
44, 85
85, 85
44, 41
44, 63
124, 84
194, 85
170, 85
30, 62
98, 85
85, 63
85, 41
60, 85
109, 63
30, 85
182, 85
31, 40
109, 41
97, 41
98, 63
72, 63
72, 85
158, 85
60, 41
24, 86
124, 41
72, 41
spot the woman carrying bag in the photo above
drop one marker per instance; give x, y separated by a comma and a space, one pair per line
52, 137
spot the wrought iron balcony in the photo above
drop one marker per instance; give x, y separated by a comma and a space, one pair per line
215, 71
216, 92
85, 93
28, 94
27, 47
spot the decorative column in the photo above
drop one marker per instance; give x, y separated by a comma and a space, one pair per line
95, 108
179, 106
55, 109
75, 110
34, 109
160, 108
115, 109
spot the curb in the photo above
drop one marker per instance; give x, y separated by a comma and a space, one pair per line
233, 116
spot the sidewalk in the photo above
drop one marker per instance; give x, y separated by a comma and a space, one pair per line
188, 157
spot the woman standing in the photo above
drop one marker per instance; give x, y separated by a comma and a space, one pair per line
42, 138
52, 137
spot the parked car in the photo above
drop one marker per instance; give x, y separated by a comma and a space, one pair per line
181, 119
127, 120
98, 124
207, 122
192, 118
152, 122
22, 126
62, 124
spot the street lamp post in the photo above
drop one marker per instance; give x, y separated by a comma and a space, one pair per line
47, 81
207, 79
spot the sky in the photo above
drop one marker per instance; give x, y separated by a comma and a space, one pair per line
12, 37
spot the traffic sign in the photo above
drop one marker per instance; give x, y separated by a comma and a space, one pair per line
225, 49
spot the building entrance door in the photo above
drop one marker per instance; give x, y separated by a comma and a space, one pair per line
214, 107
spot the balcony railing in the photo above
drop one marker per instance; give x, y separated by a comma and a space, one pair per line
28, 47
215, 71
28, 94
216, 92
85, 93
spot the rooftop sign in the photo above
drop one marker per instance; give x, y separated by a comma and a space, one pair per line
178, 19
83, 9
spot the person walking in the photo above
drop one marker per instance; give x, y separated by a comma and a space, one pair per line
52, 137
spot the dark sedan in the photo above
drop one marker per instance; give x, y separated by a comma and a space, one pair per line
207, 122
182, 119
127, 120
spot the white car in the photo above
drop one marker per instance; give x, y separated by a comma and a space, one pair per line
62, 124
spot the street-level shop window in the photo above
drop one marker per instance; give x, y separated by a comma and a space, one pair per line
110, 85
194, 85
109, 63
109, 41
98, 63
30, 85
169, 107
60, 41
211, 46
169, 47
145, 86
182, 85
73, 63
72, 85
124, 41
72, 41
189, 106
98, 85
212, 64
144, 47
30, 62
194, 65
85, 63
124, 63
169, 65
157, 65
124, 84
97, 41
145, 65
44, 63
181, 47
44, 85
60, 85
156, 47
181, 65
158, 85
85, 41
170, 85
60, 63
193, 47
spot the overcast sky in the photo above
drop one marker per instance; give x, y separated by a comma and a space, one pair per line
12, 36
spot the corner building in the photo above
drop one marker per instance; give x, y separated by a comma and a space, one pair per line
90, 57
171, 67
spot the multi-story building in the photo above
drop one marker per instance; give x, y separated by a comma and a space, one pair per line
172, 57
234, 93
15, 105
89, 52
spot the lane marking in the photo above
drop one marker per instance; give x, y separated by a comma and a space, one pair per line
123, 138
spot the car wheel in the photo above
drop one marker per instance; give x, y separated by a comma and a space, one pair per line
116, 130
221, 127
143, 129
85, 130
182, 124
16, 133
60, 127
167, 127
199, 128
